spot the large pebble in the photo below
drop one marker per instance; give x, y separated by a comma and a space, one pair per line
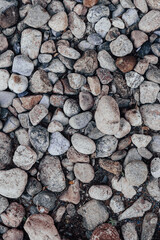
8, 13
154, 189
130, 17
102, 26
153, 74
100, 192
13, 234
5, 150
75, 156
148, 92
122, 46
105, 146
134, 117
22, 65
138, 38
150, 21
84, 172
80, 120
97, 12
40, 78
71, 107
86, 101
111, 166
45, 199
154, 145
106, 61
76, 25
141, 5
141, 140
56, 66
3, 204
90, 3
59, 21
76, 80
126, 64
17, 83
58, 144
133, 79
107, 116
149, 226
12, 182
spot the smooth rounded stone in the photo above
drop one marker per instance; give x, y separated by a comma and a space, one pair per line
106, 61
29, 102
33, 186
134, 117
45, 199
76, 80
142, 66
86, 101
118, 155
151, 58
133, 79
145, 153
138, 209
126, 63
84, 172
118, 11
24, 157
149, 225
66, 163
92, 131
107, 116
41, 226
85, 45
124, 129
5, 150
138, 38
122, 46
51, 174
105, 146
150, 21
48, 47
17, 83
155, 167
83, 144
13, 215
94, 39
151, 116
144, 50
39, 138
24, 120
153, 4
148, 92
154, 189
105, 231
71, 107
129, 231
56, 66
87, 64
111, 166
100, 192
153, 75
141, 140
14, 184
80, 120
6, 59
60, 117
141, 5
116, 204
97, 12
22, 65
68, 52
154, 145
59, 21
4, 77
72, 194
3, 43
156, 49
55, 7
8, 13
104, 75
11, 124
37, 114
76, 25
130, 17
90, 3
75, 156
94, 85
102, 26
118, 23
136, 172
3, 204
59, 213
94, 213
22, 136
131, 156
44, 58
58, 144
127, 4
55, 126
36, 17
13, 234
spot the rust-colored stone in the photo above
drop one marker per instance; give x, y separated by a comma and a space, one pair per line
90, 3
126, 64
111, 166
30, 101
105, 232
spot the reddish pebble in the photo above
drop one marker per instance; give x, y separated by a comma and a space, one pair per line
90, 3
126, 64
105, 232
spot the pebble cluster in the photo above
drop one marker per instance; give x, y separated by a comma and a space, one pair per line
79, 119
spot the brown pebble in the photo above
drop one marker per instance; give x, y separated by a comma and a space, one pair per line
126, 64
30, 101
111, 166
90, 3
105, 232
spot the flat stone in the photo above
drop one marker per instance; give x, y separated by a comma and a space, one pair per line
133, 79
86, 101
11, 124
59, 21
84, 172
122, 46
80, 120
126, 63
17, 83
76, 80
141, 5
58, 144
51, 174
106, 61
116, 204
129, 231
76, 25
40, 78
149, 225
68, 52
22, 65
150, 21
138, 38
31, 42
130, 17
102, 26
155, 167
100, 192
14, 184
37, 114
4, 77
107, 116
72, 194
6, 59
134, 117
148, 92
29, 102
97, 12
75, 156
124, 129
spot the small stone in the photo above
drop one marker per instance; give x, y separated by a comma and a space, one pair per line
59, 214
139, 207
149, 225
153, 4
13, 215
134, 117
141, 140
118, 155
112, 34
141, 5
36, 227
153, 75
22, 65
132, 155
80, 9
51, 174
130, 17
86, 101
133, 79
37, 114
48, 47
11, 124
17, 83
127, 4
45, 101
71, 107
97, 12
145, 153
30, 101
94, 85
144, 50
24, 120
55, 126
14, 184
58, 22
22, 136
150, 21
94, 39
156, 49
5, 150
76, 25
83, 144
136, 173
151, 59
100, 192
111, 166
58, 144
45, 199
151, 116
138, 37
107, 116
116, 204
84, 172
106, 61
72, 194
104, 75
154, 145
129, 231
80, 120
24, 157
8, 13
68, 52
6, 59
3, 204
154, 189
85, 45
124, 129
56, 66
105, 231
142, 66
33, 186
3, 43
102, 26
118, 23
155, 167
126, 64
118, 11
58, 100
13, 234
76, 80
124, 143
37, 16
40, 78
90, 3
60, 117
122, 46
31, 42
93, 213
148, 92
75, 156
4, 77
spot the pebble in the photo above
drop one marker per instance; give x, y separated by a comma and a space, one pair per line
84, 172
153, 74
76, 80
102, 26
80, 120
118, 11
14, 184
90, 220
150, 21
72, 194
127, 4
56, 66
94, 39
58, 144
145, 153
136, 172
39, 138
144, 50
3, 204
22, 65
129, 231
94, 85
17, 83
24, 157
41, 226
29, 102
104, 75
105, 146
106, 61
111, 166
45, 199
55, 126
141, 140
3, 43
14, 215
138, 209
141, 5
11, 124
75, 156
5, 150
138, 38
59, 213
24, 120
48, 47
155, 167
71, 107
97, 12
118, 155
142, 66
124, 143
13, 234
4, 77
124, 129
122, 46
134, 117
149, 225
156, 49
116, 204
6, 59
68, 52
37, 113
126, 63
60, 117
36, 17
151, 116
100, 192
130, 17
8, 14
106, 231
132, 155
133, 79
83, 144
86, 101
45, 101
154, 189
90, 3
154, 145
118, 23
33, 186
76, 25
59, 21
109, 122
